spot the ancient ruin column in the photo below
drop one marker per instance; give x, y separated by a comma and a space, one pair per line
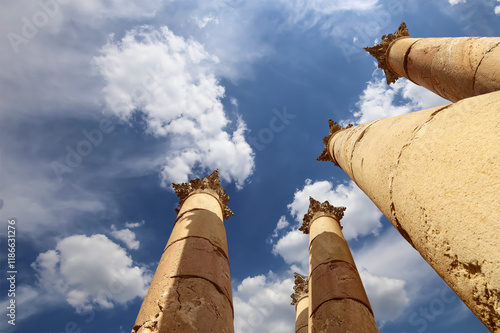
191, 289
453, 68
337, 298
435, 175
300, 298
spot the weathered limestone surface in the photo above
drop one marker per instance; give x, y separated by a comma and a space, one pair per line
189, 305
343, 316
333, 277
434, 174
191, 288
454, 68
302, 315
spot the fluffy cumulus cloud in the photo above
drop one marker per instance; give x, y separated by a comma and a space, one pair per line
380, 100
89, 272
497, 9
387, 296
170, 81
126, 236
262, 304
361, 217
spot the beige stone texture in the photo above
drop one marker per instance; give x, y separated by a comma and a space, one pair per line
335, 280
188, 305
302, 315
201, 201
455, 65
198, 257
324, 224
200, 223
396, 55
419, 61
488, 73
329, 246
343, 316
434, 174
191, 257
454, 68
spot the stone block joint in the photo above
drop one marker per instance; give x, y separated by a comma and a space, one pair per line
210, 184
334, 128
379, 51
317, 209
300, 289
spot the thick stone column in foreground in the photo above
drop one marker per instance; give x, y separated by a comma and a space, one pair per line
435, 175
453, 68
337, 298
191, 289
300, 298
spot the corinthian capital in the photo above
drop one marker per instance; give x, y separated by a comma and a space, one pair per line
379, 51
300, 289
317, 209
209, 184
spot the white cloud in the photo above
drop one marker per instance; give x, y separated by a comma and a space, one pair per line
89, 272
456, 2
361, 217
126, 236
282, 224
172, 82
497, 9
293, 248
387, 296
262, 305
132, 225
380, 100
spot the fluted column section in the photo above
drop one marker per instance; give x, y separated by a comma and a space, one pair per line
300, 298
453, 68
337, 298
191, 289
434, 174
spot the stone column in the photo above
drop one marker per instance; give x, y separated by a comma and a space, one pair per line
300, 298
191, 289
435, 175
337, 298
453, 68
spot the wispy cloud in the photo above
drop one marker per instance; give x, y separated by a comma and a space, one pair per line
380, 100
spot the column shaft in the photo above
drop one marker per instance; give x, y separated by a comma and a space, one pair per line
302, 316
191, 288
337, 298
453, 68
434, 174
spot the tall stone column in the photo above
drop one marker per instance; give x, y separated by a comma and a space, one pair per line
453, 68
435, 175
337, 298
300, 298
191, 289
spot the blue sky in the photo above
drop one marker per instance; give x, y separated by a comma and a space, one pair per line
105, 103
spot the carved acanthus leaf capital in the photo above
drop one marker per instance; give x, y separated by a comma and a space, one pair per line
334, 128
300, 289
325, 209
209, 184
380, 51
